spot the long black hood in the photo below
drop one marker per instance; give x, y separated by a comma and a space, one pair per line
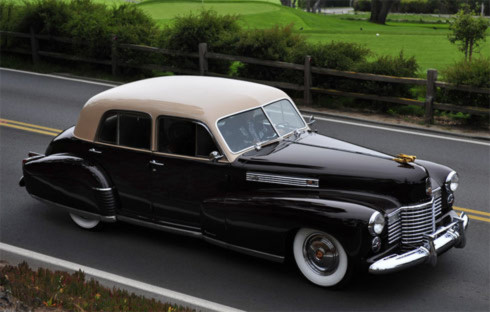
342, 167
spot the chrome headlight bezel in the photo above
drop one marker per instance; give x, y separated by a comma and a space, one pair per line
452, 181
376, 223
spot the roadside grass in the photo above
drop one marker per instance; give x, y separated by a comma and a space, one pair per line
62, 291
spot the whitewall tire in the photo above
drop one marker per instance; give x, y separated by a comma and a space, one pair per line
85, 223
320, 257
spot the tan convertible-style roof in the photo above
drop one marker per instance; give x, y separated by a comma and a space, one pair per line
206, 99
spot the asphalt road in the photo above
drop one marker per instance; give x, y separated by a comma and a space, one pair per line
460, 281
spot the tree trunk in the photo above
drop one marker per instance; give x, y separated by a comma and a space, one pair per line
308, 5
380, 10
293, 5
471, 48
316, 6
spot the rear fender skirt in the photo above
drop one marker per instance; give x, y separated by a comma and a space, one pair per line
71, 181
108, 219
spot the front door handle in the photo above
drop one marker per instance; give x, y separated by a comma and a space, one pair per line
156, 163
93, 150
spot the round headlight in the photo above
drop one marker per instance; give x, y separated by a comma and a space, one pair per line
376, 223
452, 181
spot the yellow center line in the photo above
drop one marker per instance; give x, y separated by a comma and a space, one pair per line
479, 218
472, 211
8, 121
28, 129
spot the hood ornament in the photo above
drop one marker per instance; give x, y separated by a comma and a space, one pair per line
404, 159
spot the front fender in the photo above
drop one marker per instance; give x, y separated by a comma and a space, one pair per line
268, 223
70, 181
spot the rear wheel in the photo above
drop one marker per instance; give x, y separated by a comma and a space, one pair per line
320, 257
85, 223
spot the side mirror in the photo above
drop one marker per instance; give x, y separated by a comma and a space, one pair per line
215, 156
311, 120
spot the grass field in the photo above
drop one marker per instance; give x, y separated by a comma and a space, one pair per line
426, 41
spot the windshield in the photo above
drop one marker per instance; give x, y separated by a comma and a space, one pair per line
246, 129
284, 117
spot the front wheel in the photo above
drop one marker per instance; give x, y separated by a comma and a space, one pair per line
85, 223
320, 257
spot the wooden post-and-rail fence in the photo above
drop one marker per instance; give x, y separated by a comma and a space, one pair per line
203, 55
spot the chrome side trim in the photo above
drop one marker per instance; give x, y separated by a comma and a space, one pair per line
108, 219
279, 179
105, 189
196, 234
243, 250
160, 227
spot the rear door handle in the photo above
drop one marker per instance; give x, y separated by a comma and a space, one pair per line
93, 150
156, 163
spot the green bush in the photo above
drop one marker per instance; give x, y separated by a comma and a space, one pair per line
335, 55
475, 73
91, 25
424, 6
391, 66
279, 43
220, 32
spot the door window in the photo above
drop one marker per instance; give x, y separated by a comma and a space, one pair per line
126, 129
184, 137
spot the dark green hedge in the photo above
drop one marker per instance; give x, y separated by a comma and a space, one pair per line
425, 6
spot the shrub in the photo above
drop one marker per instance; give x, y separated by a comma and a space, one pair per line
335, 55
279, 43
390, 66
220, 32
474, 73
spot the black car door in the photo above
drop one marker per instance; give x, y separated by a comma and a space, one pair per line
123, 149
188, 187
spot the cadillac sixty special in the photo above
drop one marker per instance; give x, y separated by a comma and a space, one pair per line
234, 163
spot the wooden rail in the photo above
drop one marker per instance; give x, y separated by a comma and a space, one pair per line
307, 87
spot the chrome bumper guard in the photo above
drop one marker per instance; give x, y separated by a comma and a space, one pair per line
452, 235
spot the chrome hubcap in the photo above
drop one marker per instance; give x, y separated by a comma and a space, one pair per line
320, 254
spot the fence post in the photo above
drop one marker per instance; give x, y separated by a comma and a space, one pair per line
114, 55
34, 47
307, 82
430, 95
203, 61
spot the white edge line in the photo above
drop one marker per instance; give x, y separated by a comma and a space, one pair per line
59, 77
205, 304
318, 118
403, 131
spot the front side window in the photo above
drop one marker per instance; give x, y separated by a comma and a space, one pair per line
259, 125
126, 129
183, 137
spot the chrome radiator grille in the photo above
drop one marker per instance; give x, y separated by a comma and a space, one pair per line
410, 223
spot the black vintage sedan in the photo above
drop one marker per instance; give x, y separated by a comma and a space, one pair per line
234, 163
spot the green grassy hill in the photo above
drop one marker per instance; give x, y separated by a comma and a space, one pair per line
427, 42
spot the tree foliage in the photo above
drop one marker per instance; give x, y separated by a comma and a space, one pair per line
467, 31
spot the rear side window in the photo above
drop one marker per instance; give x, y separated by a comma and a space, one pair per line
126, 129
184, 137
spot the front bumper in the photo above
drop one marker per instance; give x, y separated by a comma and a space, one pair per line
452, 235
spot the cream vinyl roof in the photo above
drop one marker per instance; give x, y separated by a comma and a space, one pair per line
206, 99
